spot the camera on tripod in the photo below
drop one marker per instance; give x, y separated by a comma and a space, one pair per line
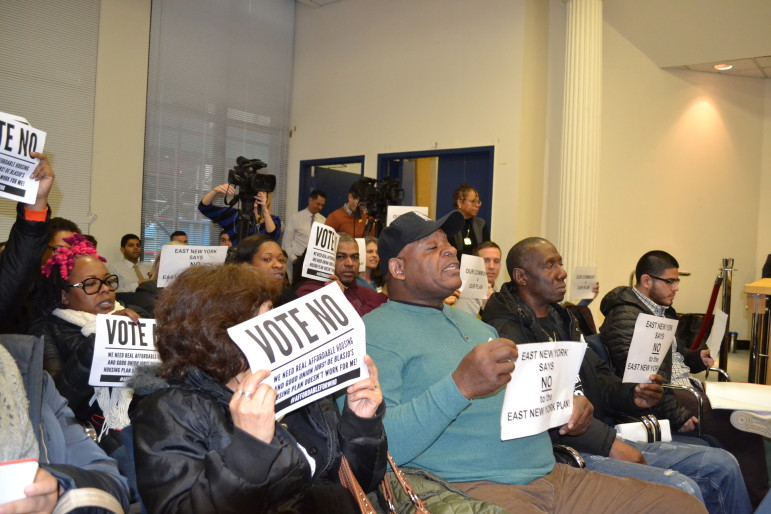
378, 195
246, 176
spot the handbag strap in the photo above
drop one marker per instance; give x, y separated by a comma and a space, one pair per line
420, 505
87, 497
349, 482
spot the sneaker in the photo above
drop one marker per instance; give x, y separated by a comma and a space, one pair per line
755, 422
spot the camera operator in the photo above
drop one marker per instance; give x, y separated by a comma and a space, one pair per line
351, 218
227, 217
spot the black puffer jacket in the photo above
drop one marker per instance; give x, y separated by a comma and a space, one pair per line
68, 356
191, 458
621, 307
514, 319
19, 267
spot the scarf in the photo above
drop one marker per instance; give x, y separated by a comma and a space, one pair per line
114, 401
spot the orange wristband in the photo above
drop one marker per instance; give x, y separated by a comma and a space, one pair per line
31, 215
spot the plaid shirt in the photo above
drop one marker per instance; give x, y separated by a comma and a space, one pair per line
680, 372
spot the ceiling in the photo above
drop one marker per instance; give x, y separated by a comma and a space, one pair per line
696, 34
691, 34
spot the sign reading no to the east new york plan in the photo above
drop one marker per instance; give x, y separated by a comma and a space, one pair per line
177, 258
120, 346
17, 140
313, 346
651, 341
540, 394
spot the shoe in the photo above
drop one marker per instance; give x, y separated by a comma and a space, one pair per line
755, 422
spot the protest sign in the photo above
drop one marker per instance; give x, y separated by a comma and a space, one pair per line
362, 254
313, 346
320, 258
716, 335
582, 282
540, 394
17, 140
394, 211
651, 341
177, 258
120, 346
473, 277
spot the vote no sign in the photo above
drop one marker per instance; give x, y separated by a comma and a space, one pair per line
540, 394
119, 347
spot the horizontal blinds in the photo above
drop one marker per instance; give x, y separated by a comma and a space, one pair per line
219, 87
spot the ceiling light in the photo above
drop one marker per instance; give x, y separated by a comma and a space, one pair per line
723, 67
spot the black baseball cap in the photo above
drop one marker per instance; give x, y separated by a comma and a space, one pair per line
410, 227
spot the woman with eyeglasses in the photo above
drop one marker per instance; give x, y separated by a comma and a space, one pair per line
75, 288
475, 230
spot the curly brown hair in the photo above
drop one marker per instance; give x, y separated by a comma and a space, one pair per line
195, 311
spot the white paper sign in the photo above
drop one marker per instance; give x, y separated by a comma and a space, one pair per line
119, 347
362, 253
473, 277
17, 140
540, 394
322, 247
716, 335
582, 282
313, 346
15, 475
651, 342
394, 211
177, 258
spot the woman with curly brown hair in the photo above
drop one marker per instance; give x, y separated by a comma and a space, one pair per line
208, 441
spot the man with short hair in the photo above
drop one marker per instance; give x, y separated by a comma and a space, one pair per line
297, 231
351, 218
362, 298
179, 235
490, 252
528, 310
225, 239
657, 279
130, 270
442, 373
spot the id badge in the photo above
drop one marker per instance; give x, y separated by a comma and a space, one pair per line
467, 241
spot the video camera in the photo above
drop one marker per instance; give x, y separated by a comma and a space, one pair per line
250, 181
378, 195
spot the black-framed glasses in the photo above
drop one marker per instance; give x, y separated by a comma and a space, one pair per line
92, 285
667, 281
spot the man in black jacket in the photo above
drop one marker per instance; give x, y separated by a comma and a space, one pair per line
527, 310
657, 277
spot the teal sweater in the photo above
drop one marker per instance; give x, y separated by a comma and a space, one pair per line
429, 423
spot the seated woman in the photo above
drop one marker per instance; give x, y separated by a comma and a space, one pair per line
75, 288
267, 256
371, 277
227, 217
209, 441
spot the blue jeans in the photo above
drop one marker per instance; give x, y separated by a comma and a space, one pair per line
710, 474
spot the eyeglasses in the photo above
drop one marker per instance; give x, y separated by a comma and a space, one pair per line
92, 285
475, 202
667, 281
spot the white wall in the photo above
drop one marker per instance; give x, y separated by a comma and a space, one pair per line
682, 161
119, 122
375, 77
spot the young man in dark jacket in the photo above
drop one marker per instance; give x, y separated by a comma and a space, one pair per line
527, 310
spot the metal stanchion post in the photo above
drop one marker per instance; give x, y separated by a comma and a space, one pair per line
756, 305
727, 270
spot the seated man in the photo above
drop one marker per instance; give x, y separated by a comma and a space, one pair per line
442, 372
179, 235
527, 310
131, 272
362, 298
657, 277
491, 253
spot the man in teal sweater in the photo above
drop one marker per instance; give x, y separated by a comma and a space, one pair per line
443, 371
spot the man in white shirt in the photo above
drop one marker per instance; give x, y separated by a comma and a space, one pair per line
297, 231
130, 271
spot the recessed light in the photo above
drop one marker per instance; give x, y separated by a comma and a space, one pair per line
723, 67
